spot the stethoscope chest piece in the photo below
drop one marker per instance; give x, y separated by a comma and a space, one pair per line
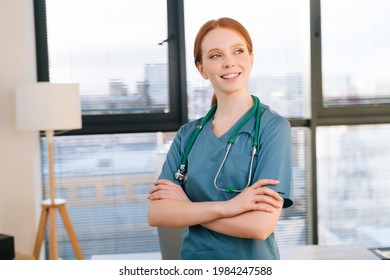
180, 174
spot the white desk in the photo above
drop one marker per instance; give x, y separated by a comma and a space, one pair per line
311, 252
318, 252
138, 256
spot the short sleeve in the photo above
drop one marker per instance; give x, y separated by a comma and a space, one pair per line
275, 157
173, 159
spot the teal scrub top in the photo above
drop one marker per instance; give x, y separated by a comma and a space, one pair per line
273, 160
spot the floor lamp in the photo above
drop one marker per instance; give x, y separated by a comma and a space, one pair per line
48, 107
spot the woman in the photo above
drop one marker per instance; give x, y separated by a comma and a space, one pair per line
230, 205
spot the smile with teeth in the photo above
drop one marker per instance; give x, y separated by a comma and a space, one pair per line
230, 76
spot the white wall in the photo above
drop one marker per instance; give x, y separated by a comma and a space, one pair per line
20, 174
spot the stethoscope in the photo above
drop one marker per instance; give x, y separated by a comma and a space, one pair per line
181, 175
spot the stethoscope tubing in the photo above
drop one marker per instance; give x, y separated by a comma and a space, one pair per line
229, 190
180, 174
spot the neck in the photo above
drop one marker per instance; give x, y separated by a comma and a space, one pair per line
232, 107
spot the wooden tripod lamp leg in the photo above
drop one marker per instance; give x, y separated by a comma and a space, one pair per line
53, 245
41, 232
49, 209
71, 232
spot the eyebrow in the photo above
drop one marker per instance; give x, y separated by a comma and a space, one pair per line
232, 47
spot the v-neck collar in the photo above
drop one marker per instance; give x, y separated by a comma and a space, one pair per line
217, 141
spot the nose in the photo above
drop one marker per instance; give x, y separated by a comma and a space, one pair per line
228, 62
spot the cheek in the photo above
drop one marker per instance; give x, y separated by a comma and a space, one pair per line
210, 69
246, 60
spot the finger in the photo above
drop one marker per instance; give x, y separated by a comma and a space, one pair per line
161, 194
154, 189
269, 192
264, 182
158, 188
154, 197
160, 181
264, 207
270, 201
167, 194
164, 182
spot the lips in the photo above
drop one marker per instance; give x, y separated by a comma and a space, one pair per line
230, 75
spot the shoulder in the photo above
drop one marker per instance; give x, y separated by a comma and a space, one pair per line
188, 128
190, 125
185, 131
271, 120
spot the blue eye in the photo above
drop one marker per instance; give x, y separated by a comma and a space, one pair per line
215, 55
239, 51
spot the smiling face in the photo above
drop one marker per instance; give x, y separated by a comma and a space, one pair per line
226, 61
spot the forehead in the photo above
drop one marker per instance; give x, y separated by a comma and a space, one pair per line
221, 38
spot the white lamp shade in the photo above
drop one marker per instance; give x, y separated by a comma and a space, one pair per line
48, 106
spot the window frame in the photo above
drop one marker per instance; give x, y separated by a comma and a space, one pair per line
328, 116
127, 123
336, 115
137, 123
134, 123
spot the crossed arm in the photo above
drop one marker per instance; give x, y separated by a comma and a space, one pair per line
253, 213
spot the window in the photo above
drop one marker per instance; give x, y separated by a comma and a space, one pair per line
353, 83
321, 64
356, 61
292, 228
107, 203
120, 69
352, 141
353, 192
106, 177
115, 191
280, 33
130, 80
280, 78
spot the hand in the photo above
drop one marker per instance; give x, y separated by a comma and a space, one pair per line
256, 197
166, 189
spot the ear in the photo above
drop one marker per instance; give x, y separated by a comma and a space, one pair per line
252, 58
200, 69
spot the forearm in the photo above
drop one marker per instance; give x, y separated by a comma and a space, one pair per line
176, 213
170, 207
254, 224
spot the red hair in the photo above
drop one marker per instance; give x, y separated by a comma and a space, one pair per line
224, 22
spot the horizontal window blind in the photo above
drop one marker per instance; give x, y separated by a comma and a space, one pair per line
280, 78
353, 185
292, 228
113, 49
356, 60
281, 39
105, 180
